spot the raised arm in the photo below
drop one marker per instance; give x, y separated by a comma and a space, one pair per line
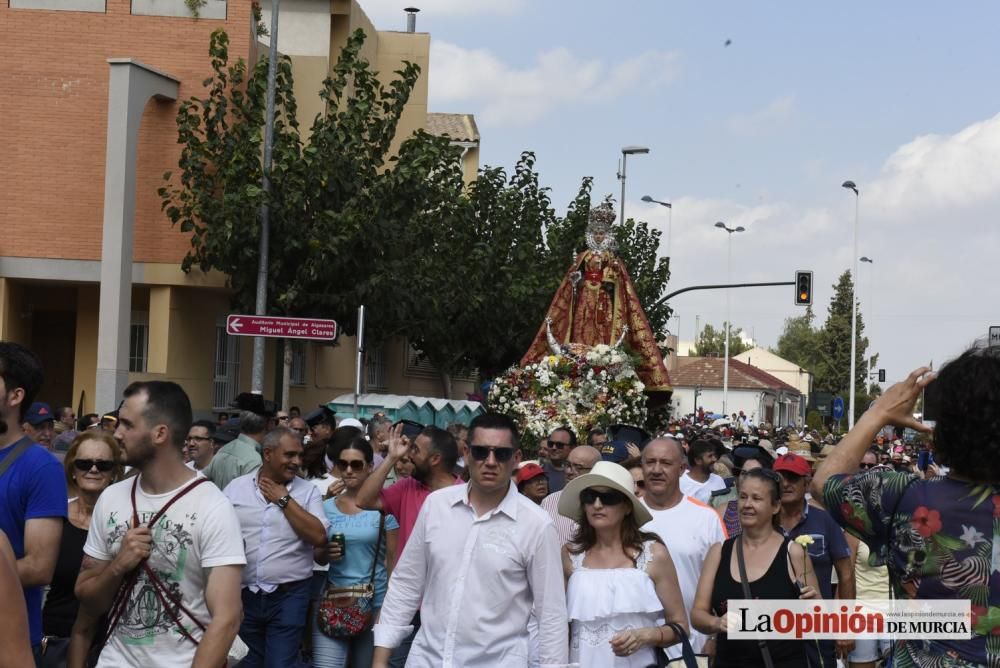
369, 495
222, 596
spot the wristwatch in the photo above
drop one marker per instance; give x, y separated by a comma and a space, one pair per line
283, 501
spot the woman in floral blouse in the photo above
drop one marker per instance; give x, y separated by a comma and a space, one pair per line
939, 537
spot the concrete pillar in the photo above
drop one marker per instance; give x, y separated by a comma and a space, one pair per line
131, 85
160, 308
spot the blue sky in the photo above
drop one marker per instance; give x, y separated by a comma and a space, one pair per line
900, 97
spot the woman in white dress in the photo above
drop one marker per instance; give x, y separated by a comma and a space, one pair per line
621, 583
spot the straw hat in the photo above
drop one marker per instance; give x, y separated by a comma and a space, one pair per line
804, 453
604, 474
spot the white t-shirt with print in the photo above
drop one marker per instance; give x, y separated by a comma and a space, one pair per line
198, 532
701, 490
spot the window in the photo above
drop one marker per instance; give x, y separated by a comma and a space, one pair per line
421, 367
297, 375
138, 344
227, 368
376, 376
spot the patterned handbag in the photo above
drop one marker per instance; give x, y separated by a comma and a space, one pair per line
345, 612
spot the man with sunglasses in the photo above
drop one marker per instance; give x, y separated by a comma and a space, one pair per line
560, 443
481, 561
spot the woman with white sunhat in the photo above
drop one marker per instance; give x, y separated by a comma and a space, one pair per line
622, 594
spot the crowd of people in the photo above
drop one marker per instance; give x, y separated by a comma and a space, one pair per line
272, 538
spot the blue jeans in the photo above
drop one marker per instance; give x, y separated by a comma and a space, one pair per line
356, 652
273, 624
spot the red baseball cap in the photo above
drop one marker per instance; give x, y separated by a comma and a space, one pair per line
527, 472
793, 464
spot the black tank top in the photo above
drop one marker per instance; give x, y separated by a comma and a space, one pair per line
775, 583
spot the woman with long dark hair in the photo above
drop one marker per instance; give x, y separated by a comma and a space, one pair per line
776, 568
621, 582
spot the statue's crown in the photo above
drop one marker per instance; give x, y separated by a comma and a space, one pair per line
603, 214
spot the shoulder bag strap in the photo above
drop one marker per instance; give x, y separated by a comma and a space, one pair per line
18, 450
378, 546
764, 651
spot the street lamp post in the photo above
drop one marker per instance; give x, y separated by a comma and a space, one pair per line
728, 325
626, 152
871, 290
670, 216
850, 185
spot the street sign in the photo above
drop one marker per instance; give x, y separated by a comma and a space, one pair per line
838, 408
281, 328
995, 337
820, 402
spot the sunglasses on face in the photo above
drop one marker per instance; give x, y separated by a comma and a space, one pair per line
482, 452
609, 498
864, 465
641, 484
557, 444
103, 465
578, 467
355, 465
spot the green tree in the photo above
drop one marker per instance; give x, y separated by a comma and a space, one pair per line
712, 342
800, 341
833, 368
334, 198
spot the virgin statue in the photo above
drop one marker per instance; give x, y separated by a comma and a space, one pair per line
596, 303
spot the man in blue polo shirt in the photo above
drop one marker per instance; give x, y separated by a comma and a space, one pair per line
827, 551
32, 487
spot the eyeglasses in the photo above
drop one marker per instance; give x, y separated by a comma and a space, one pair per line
641, 484
864, 465
103, 465
578, 468
609, 498
191, 439
301, 430
355, 465
557, 444
482, 452
282, 418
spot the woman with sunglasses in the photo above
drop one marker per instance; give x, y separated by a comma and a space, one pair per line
776, 568
621, 582
351, 561
92, 463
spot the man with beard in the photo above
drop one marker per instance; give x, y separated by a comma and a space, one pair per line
699, 481
687, 526
281, 519
164, 554
433, 453
32, 484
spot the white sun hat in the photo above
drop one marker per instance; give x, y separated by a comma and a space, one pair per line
604, 474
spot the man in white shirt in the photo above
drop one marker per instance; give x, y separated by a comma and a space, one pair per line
580, 460
164, 554
699, 481
282, 520
482, 559
687, 526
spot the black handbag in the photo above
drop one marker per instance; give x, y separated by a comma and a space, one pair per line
688, 658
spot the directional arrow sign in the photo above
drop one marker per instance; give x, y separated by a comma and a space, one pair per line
276, 327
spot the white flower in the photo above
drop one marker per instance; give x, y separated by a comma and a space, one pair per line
972, 536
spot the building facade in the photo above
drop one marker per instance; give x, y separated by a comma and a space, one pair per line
90, 273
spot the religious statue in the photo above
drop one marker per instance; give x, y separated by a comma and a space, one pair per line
596, 303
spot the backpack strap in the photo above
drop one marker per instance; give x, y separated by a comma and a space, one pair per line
18, 449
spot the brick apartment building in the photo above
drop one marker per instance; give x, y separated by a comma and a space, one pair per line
98, 312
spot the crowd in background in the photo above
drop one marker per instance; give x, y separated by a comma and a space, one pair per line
269, 538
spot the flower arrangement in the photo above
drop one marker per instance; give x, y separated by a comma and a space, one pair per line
581, 389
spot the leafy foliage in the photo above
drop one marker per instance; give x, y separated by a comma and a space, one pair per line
712, 342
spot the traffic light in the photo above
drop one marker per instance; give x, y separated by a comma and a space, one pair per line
803, 288
881, 375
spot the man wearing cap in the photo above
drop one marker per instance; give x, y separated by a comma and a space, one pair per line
322, 421
532, 482
687, 526
39, 424
828, 550
242, 455
581, 460
33, 486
